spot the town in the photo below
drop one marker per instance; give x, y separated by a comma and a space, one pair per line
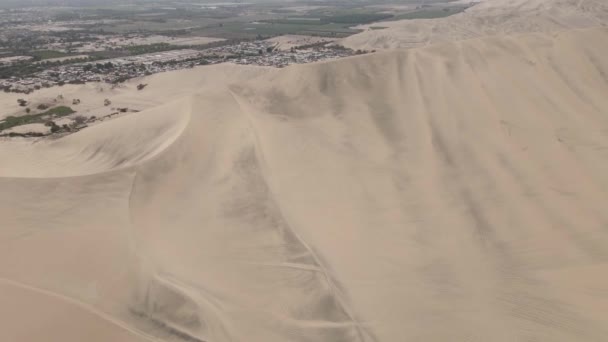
117, 70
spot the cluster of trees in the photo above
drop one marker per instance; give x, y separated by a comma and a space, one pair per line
57, 112
20, 70
356, 18
25, 69
78, 122
151, 48
98, 67
268, 50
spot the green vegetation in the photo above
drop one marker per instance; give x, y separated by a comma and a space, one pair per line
57, 112
278, 27
20, 70
151, 48
25, 69
356, 18
335, 23
430, 13
47, 54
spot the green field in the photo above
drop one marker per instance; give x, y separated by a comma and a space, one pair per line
430, 13
47, 54
53, 113
265, 29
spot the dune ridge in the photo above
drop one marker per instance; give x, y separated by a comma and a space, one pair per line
107, 147
487, 18
453, 192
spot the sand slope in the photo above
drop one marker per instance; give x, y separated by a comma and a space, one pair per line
92, 95
489, 17
455, 192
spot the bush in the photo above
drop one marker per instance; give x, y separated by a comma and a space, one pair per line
79, 120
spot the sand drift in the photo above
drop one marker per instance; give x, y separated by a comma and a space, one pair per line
450, 193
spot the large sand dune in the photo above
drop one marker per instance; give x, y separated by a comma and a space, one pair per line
489, 17
450, 193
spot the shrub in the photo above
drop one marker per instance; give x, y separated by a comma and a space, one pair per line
79, 120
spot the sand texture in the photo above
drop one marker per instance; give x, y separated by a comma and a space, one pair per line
456, 192
488, 17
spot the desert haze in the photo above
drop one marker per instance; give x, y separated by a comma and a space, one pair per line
455, 191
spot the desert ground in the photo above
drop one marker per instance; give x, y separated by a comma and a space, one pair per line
488, 17
454, 191
289, 41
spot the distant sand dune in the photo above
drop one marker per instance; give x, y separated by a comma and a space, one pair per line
489, 17
449, 193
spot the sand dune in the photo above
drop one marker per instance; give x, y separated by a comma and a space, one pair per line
449, 193
92, 95
489, 17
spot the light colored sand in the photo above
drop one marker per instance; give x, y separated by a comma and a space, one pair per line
194, 41
450, 193
33, 128
286, 42
92, 95
106, 42
11, 60
490, 17
62, 59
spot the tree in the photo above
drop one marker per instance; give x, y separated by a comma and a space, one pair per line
107, 102
79, 120
22, 102
27, 110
